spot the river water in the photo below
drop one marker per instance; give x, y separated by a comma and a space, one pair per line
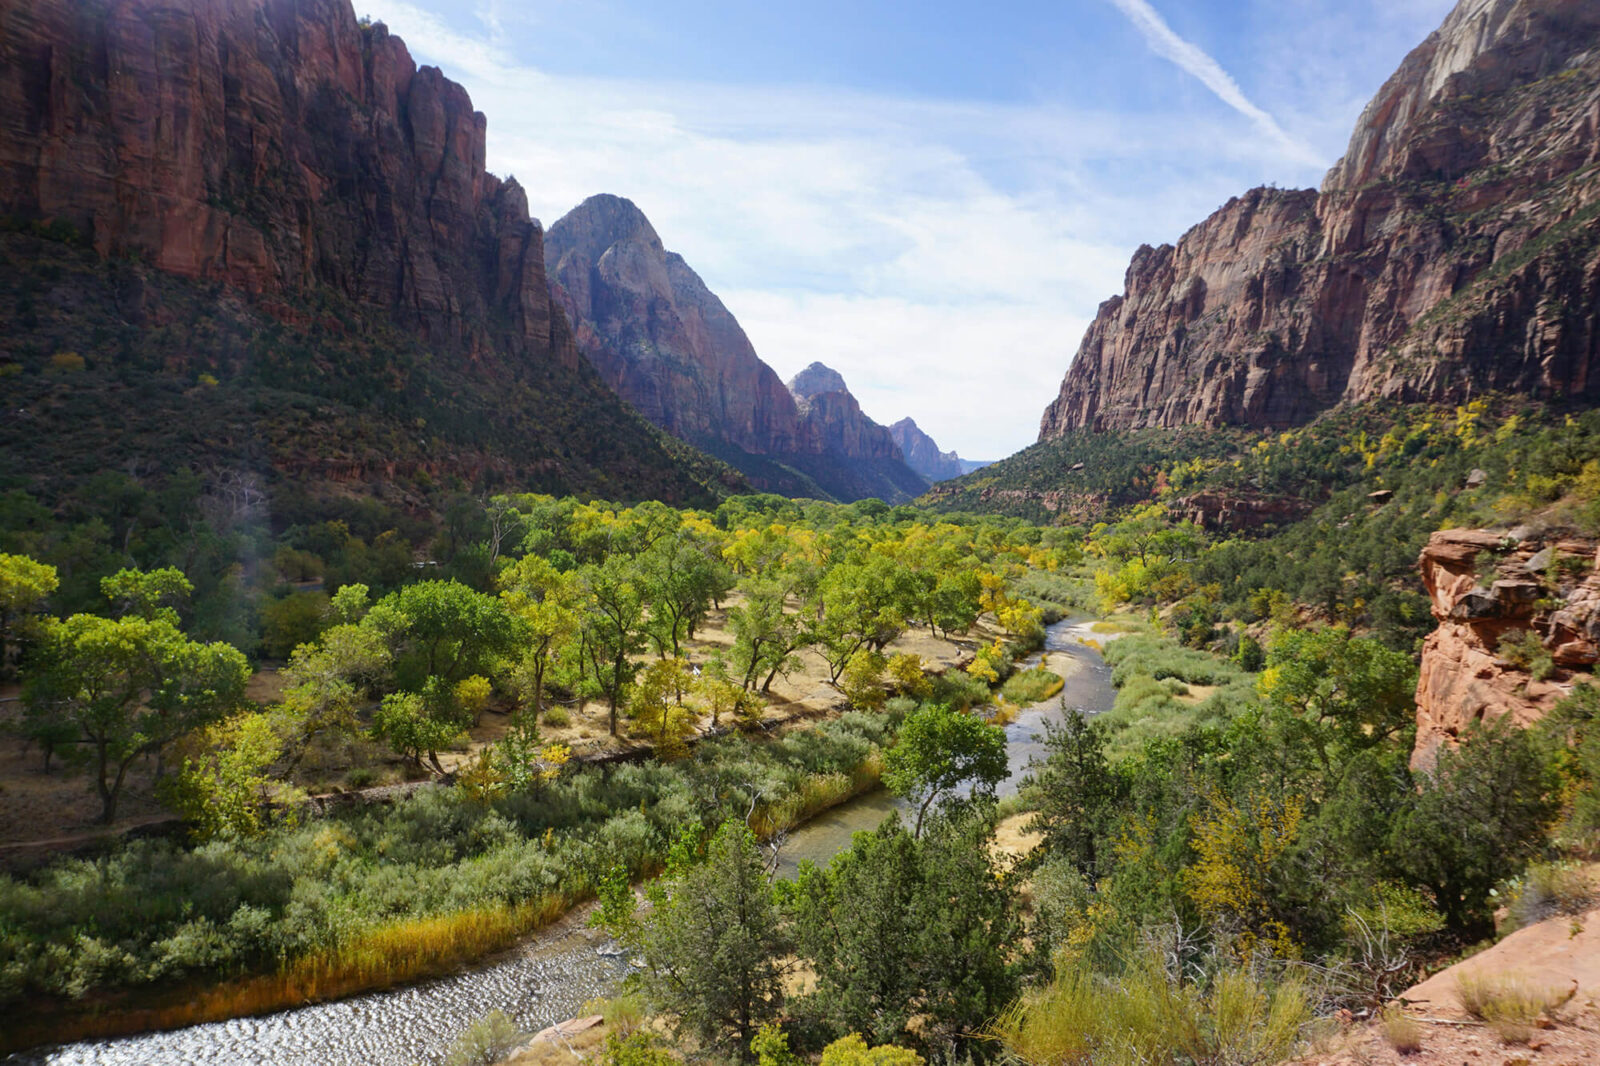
549, 978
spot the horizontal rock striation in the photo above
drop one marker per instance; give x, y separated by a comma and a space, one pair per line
274, 145
1503, 601
1455, 249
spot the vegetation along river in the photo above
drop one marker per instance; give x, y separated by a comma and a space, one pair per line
549, 978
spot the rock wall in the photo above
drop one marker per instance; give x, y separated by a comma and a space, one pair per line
662, 339
273, 145
1489, 590
1455, 249
922, 452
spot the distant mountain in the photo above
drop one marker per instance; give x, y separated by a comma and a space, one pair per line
670, 347
923, 454
1454, 251
871, 462
969, 465
257, 238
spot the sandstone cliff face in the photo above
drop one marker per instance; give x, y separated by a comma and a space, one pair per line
1455, 249
670, 347
922, 452
834, 422
1490, 591
283, 151
271, 145
660, 337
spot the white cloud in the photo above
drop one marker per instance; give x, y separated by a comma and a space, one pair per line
944, 256
1190, 57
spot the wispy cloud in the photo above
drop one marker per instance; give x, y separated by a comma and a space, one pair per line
945, 256
1165, 42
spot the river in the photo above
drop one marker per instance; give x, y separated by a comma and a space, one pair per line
549, 978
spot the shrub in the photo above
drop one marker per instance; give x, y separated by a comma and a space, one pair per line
485, 1042
1511, 1005
1150, 1015
1031, 686
1403, 1032
1546, 890
557, 717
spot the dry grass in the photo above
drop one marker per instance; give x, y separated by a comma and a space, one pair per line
1511, 1005
1403, 1032
380, 958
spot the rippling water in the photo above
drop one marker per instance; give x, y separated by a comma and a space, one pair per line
545, 981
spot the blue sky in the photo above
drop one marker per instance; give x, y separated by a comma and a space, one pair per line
932, 198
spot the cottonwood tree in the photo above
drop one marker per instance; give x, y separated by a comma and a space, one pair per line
24, 587
765, 636
939, 750
547, 604
127, 687
613, 626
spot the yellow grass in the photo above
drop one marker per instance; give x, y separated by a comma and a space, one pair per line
406, 951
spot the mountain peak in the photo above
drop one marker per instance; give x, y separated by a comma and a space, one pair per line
601, 221
815, 380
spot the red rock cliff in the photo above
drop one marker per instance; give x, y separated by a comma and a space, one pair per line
1490, 591
274, 145
662, 339
1454, 249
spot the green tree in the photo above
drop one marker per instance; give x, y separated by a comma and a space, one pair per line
939, 750
613, 626
682, 577
225, 787
547, 603
444, 630
24, 587
1337, 694
765, 636
712, 942
900, 929
129, 687
1075, 793
148, 594
1483, 812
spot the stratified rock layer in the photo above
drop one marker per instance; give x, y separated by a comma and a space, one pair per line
1489, 590
1455, 249
273, 145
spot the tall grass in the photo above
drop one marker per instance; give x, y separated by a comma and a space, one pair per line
1148, 1018
1511, 1005
1031, 686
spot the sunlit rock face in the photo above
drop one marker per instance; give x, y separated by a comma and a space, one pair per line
1489, 590
1454, 249
276, 146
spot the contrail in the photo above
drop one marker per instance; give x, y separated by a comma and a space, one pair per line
1167, 44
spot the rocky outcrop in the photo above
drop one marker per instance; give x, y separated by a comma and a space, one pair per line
660, 337
1454, 250
1236, 512
300, 158
1519, 623
922, 453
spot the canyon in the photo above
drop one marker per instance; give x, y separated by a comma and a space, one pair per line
1453, 251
